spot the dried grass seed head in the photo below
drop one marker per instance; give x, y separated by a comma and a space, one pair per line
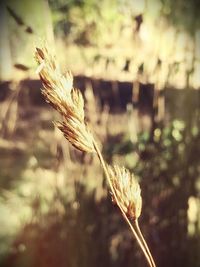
59, 92
127, 191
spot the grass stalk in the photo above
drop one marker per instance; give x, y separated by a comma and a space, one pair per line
136, 224
58, 90
136, 232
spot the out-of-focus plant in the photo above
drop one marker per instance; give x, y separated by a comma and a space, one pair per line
86, 22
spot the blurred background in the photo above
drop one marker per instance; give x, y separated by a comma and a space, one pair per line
138, 66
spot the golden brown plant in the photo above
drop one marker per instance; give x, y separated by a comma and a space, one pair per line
127, 191
59, 92
68, 101
127, 195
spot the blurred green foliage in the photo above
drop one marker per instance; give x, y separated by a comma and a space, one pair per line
85, 20
82, 22
183, 13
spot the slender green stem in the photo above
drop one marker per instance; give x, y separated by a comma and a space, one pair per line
142, 243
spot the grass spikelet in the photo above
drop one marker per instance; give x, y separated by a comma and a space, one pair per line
127, 195
59, 92
127, 191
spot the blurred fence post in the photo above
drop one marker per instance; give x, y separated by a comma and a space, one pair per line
24, 25
5, 53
